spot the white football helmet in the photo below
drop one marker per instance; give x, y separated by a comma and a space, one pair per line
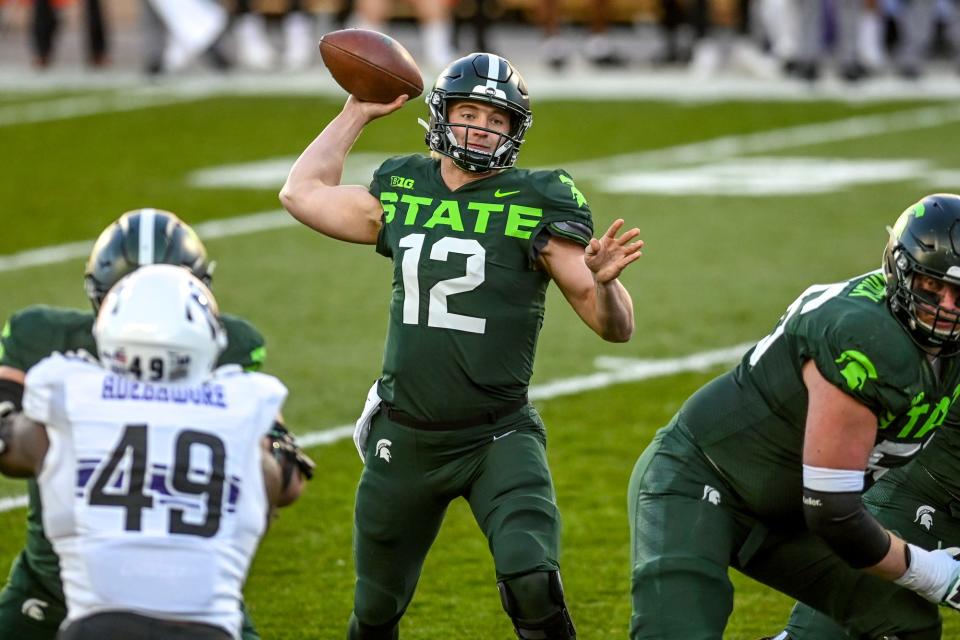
160, 324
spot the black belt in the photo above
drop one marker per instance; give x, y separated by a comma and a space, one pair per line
487, 417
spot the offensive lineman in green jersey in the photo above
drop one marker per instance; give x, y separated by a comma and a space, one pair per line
474, 243
920, 502
32, 603
763, 468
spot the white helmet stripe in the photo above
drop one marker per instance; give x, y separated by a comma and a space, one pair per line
493, 70
147, 218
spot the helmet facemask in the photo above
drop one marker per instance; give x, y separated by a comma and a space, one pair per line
442, 139
927, 320
485, 79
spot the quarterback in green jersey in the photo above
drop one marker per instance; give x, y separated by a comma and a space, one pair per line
474, 243
32, 603
763, 469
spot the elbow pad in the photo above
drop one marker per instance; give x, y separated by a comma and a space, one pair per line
846, 526
571, 230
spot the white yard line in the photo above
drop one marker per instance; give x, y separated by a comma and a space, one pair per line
773, 140
709, 150
939, 85
251, 223
127, 91
80, 106
14, 502
623, 370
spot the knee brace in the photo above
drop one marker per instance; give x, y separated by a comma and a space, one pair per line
534, 602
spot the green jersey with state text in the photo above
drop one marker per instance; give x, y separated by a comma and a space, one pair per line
34, 333
750, 421
468, 298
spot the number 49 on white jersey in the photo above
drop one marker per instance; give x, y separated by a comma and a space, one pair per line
153, 495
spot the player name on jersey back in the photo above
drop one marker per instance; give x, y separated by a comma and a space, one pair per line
115, 387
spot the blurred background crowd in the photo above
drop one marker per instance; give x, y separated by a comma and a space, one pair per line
853, 40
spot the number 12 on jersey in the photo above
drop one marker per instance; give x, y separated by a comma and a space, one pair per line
437, 314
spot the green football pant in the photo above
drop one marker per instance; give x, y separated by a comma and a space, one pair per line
28, 611
410, 477
688, 528
911, 504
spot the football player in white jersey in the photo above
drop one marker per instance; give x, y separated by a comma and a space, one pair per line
155, 471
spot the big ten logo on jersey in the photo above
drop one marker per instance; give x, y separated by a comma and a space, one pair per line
177, 485
465, 216
401, 183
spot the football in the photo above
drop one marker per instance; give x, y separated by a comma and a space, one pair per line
370, 65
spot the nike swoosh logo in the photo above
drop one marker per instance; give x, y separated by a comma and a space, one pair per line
503, 435
504, 194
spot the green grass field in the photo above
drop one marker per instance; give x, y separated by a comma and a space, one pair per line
718, 270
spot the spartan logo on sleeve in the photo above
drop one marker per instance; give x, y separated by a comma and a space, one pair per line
710, 494
35, 609
924, 516
576, 193
383, 449
856, 369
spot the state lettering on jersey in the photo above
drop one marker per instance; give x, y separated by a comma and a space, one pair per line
207, 395
910, 425
474, 216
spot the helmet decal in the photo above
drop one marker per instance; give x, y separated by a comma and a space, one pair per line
141, 237
493, 79
147, 217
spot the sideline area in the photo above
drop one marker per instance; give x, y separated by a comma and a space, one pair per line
518, 42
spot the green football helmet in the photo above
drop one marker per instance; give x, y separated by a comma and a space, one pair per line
486, 78
925, 240
139, 237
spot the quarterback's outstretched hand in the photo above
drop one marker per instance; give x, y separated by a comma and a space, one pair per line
609, 255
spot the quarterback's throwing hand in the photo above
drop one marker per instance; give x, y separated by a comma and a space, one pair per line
372, 110
608, 255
